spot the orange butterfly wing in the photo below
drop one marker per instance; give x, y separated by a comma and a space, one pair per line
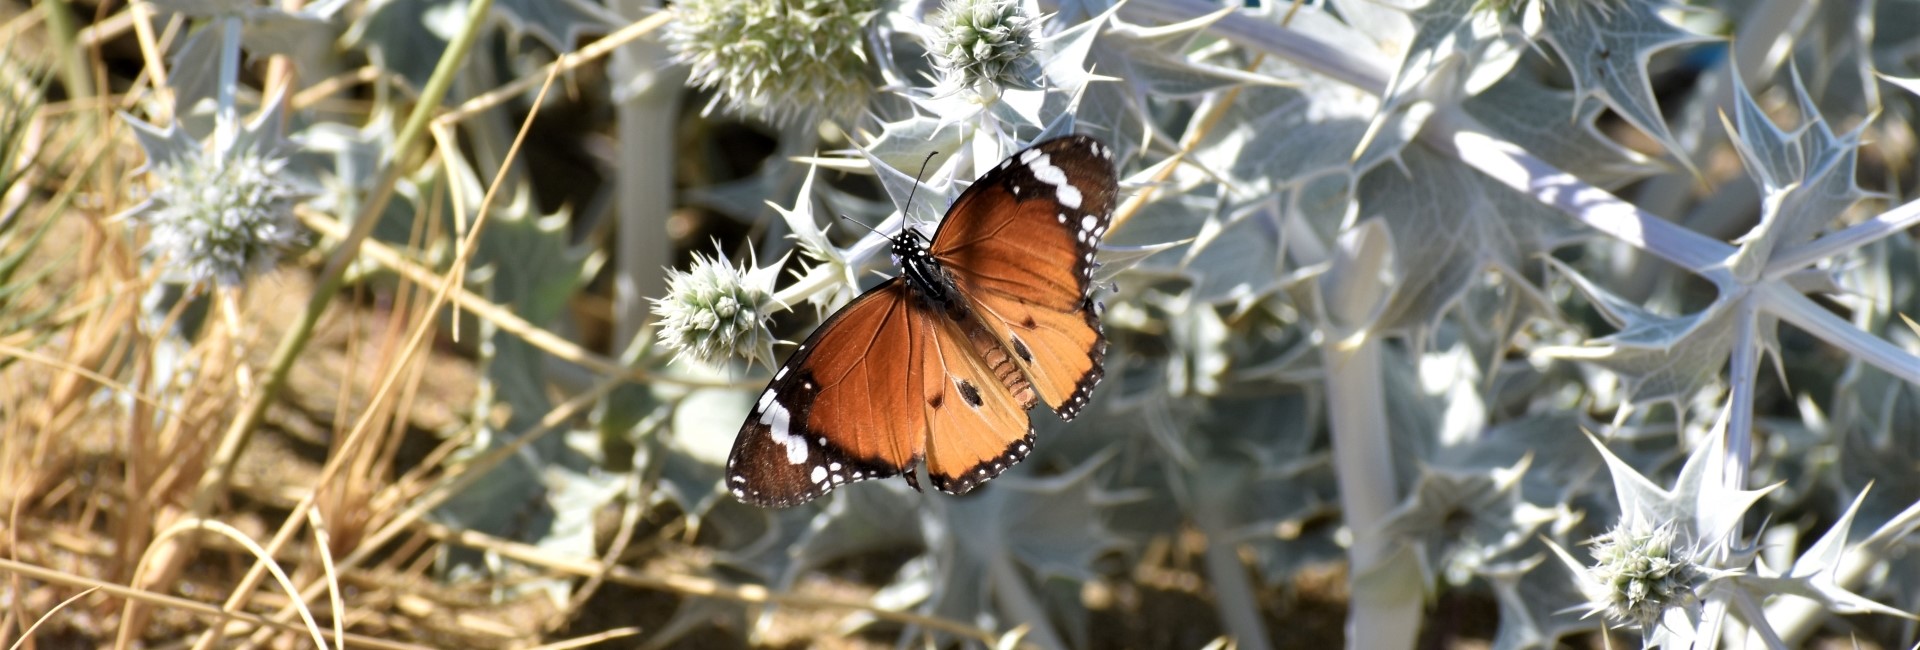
1019, 245
883, 384
843, 408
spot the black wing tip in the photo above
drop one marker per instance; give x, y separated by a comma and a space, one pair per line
775, 484
743, 489
987, 469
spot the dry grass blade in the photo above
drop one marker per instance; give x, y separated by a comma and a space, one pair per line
693, 585
321, 547
28, 634
109, 382
584, 641
462, 478
415, 340
280, 575
43, 574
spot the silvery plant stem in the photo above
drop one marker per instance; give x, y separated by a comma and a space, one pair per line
227, 127
649, 106
1386, 581
1363, 457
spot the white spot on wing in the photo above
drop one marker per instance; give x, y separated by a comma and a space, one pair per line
1086, 223
777, 420
819, 474
782, 374
1044, 170
1026, 157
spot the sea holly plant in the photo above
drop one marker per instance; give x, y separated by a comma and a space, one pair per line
219, 213
1375, 271
1404, 213
1676, 566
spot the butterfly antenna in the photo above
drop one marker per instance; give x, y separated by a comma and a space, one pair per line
871, 229
916, 182
903, 210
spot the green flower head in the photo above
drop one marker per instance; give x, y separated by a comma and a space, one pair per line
1646, 573
714, 312
779, 59
987, 45
221, 217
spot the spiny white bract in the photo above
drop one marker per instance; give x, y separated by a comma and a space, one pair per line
1506, 6
221, 217
1646, 572
778, 59
986, 45
714, 311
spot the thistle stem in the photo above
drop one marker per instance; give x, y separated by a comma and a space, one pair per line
227, 121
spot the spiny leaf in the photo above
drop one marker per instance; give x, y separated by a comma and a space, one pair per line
1658, 358
1806, 175
407, 36
1534, 116
1454, 54
1606, 48
1457, 225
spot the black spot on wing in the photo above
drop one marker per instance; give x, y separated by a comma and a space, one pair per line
987, 469
968, 392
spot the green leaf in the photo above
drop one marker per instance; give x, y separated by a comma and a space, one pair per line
1806, 176
1606, 47
1456, 225
407, 36
1526, 112
1658, 358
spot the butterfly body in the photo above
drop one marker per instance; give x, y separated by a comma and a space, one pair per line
939, 366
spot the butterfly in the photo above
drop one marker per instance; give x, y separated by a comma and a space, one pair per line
940, 364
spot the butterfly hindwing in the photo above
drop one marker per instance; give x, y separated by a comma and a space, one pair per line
976, 404
1020, 245
844, 407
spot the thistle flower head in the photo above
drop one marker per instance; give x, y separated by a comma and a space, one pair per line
779, 59
714, 311
1646, 573
986, 44
221, 216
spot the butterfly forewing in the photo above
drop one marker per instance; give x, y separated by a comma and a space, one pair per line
844, 408
1020, 244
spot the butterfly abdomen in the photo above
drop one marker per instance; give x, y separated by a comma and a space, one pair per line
998, 361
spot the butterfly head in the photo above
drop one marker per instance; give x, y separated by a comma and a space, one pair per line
910, 246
